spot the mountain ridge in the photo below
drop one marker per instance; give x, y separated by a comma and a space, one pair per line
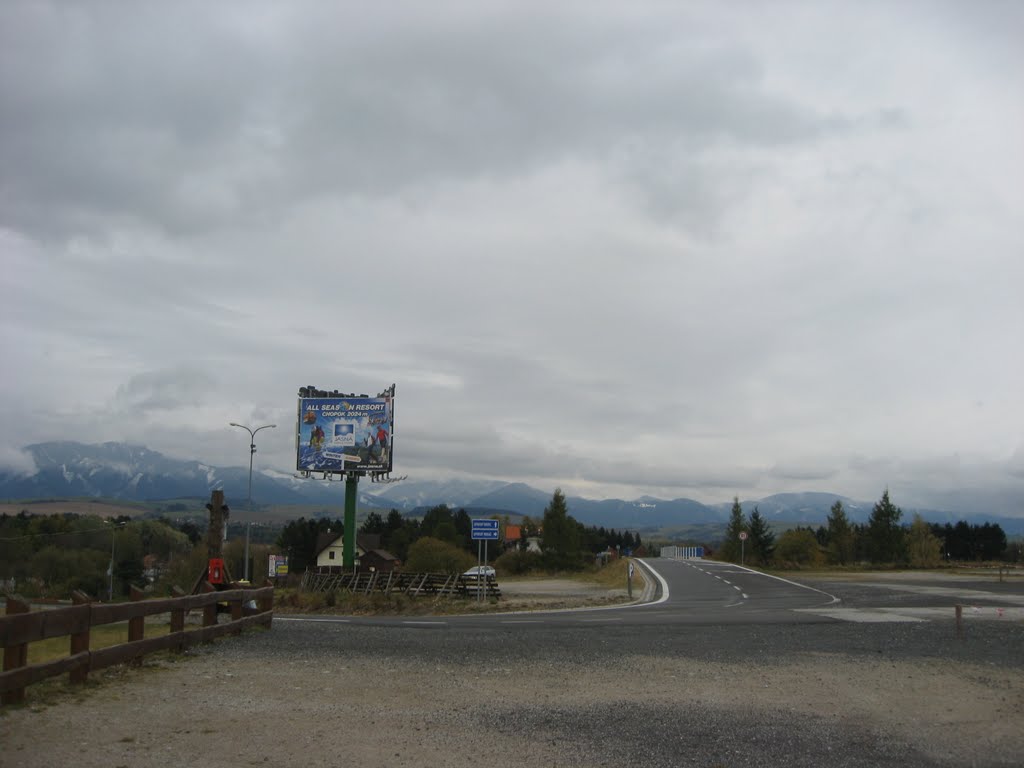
131, 472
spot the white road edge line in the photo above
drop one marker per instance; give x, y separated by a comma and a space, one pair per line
787, 581
312, 619
661, 581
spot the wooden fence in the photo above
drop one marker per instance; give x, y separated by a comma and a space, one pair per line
21, 627
412, 584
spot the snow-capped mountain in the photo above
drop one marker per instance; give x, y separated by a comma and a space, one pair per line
135, 473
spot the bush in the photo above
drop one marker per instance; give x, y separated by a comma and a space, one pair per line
516, 562
798, 548
436, 556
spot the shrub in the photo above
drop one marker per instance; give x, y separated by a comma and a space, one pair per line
434, 555
798, 547
516, 562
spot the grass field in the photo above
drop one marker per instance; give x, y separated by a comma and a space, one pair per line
102, 636
78, 507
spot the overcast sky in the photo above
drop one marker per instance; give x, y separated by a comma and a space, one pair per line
677, 249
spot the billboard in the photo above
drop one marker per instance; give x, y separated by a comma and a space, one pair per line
345, 434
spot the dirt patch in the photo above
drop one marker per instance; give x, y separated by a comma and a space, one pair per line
556, 594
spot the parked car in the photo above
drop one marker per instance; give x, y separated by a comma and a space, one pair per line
480, 570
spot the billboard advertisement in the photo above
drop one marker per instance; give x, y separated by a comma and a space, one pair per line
345, 434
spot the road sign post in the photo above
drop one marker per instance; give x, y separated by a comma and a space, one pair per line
743, 541
482, 531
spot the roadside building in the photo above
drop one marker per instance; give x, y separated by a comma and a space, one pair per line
330, 549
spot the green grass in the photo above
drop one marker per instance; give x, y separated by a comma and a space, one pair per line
102, 636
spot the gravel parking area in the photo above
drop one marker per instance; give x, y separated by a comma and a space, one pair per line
329, 694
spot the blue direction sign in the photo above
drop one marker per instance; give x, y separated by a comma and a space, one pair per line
485, 530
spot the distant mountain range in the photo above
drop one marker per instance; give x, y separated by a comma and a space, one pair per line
135, 473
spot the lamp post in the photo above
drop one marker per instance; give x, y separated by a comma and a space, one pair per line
248, 505
110, 571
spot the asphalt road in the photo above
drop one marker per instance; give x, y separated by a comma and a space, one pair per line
723, 619
709, 593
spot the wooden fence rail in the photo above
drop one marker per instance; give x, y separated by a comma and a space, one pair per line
412, 584
21, 626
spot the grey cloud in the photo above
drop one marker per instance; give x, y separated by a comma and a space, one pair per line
235, 126
164, 390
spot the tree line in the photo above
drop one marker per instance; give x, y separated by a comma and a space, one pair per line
53, 555
442, 539
884, 539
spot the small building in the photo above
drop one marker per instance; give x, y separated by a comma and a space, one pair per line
379, 560
330, 547
330, 553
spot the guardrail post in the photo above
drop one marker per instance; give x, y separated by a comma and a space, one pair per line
16, 655
80, 641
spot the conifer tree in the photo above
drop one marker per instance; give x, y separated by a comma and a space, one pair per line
560, 534
841, 543
731, 548
885, 536
762, 540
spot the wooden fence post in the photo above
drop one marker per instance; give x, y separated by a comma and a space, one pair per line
80, 640
15, 656
266, 605
137, 625
236, 614
209, 611
178, 618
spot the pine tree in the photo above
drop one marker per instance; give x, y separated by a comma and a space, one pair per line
885, 536
373, 523
841, 544
731, 549
560, 535
762, 540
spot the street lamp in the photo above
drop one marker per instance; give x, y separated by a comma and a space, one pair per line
252, 450
110, 571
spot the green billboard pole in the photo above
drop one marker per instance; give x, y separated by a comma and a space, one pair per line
349, 549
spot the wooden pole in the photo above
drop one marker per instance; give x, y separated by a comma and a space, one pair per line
215, 533
209, 611
136, 625
80, 641
178, 617
15, 656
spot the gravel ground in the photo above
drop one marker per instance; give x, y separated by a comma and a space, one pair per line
302, 694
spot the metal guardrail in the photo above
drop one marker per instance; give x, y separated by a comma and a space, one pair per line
682, 553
